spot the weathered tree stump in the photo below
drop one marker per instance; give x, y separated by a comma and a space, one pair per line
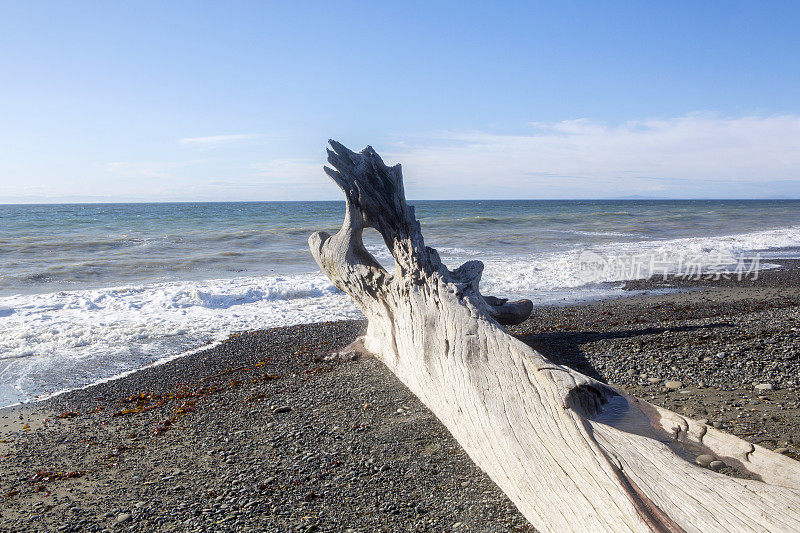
572, 453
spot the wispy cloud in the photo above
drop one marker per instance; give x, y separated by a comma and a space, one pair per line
688, 155
221, 140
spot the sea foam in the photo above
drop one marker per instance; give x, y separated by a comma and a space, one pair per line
71, 338
68, 339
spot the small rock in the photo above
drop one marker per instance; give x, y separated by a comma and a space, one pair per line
139, 505
673, 385
763, 386
653, 380
782, 451
123, 517
716, 465
282, 409
717, 424
704, 459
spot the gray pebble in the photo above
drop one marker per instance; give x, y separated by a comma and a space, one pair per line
704, 459
716, 465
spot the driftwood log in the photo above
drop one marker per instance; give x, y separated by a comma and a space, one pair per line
572, 453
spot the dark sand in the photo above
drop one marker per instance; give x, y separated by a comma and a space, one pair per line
256, 435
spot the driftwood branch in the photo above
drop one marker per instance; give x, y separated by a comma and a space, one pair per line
572, 453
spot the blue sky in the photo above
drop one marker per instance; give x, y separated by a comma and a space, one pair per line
148, 101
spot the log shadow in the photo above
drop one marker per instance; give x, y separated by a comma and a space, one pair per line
564, 347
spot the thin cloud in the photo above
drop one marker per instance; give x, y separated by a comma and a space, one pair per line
584, 158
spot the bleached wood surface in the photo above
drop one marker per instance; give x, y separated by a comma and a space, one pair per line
572, 453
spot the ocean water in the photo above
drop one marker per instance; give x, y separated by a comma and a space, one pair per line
91, 291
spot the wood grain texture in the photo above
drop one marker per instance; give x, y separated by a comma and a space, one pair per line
572, 453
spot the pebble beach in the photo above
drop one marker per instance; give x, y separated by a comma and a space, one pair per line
259, 433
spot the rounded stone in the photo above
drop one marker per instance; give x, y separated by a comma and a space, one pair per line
716, 465
673, 385
704, 459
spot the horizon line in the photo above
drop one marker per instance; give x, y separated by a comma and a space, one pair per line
614, 199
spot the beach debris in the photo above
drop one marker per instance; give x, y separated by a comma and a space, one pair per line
116, 452
254, 398
162, 426
142, 403
185, 407
46, 475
